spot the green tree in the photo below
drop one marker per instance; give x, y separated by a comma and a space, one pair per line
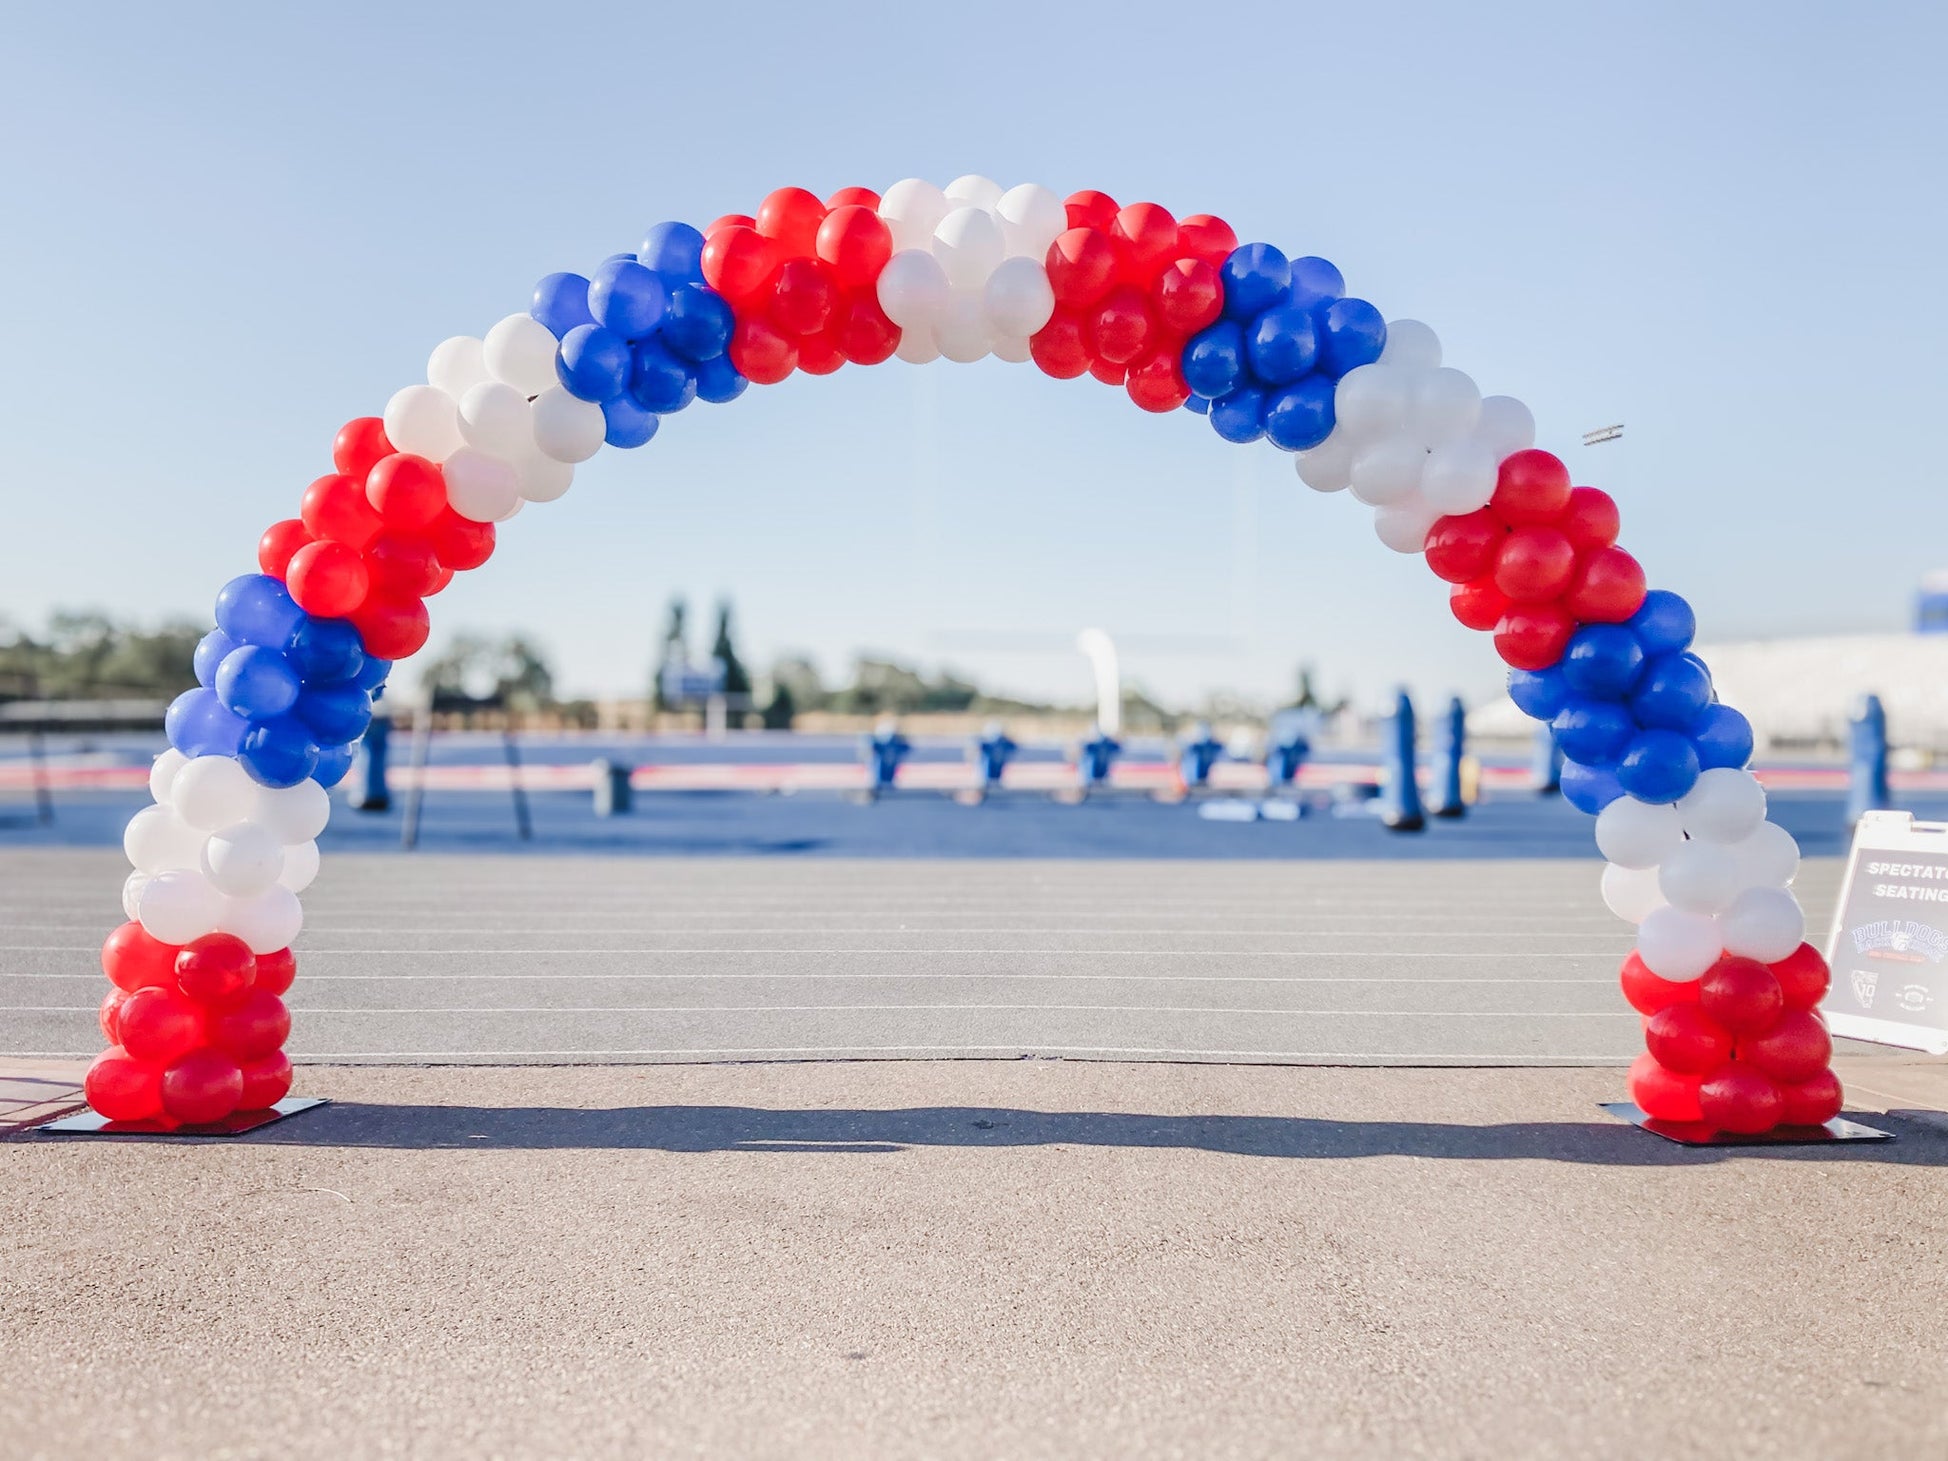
779, 713
673, 652
737, 680
510, 672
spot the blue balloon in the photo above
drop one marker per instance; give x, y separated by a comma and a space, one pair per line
333, 763
1353, 334
1671, 692
1723, 737
278, 752
326, 651
626, 424
627, 297
719, 381
593, 363
1664, 623
561, 303
1593, 732
1538, 694
674, 250
1589, 788
198, 725
659, 380
698, 324
336, 715
1300, 416
1602, 661
1256, 276
257, 609
1201, 405
1316, 281
1658, 766
210, 650
257, 683
1239, 416
1282, 345
1214, 360
372, 677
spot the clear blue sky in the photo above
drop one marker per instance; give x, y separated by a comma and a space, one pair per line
229, 228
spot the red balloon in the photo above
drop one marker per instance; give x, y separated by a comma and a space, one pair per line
1609, 588
1811, 1102
205, 1085
361, 446
1120, 329
392, 627
1803, 977
266, 1081
1533, 636
1682, 1037
407, 491
1664, 1094
1590, 519
1742, 995
110, 1014
865, 334
1058, 347
740, 263
253, 1029
403, 565
761, 352
820, 354
1796, 1048
1532, 487
1204, 237
1647, 992
441, 578
328, 579
275, 971
160, 1024
856, 243
729, 220
791, 216
853, 198
216, 970
1478, 603
133, 959
1742, 1099
1463, 547
281, 540
123, 1088
1110, 373
1533, 564
459, 542
1149, 235
1189, 295
1082, 267
1158, 383
803, 296
1090, 209
335, 507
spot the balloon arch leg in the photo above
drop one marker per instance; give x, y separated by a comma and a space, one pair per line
1177, 313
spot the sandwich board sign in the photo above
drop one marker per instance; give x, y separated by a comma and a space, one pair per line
1889, 946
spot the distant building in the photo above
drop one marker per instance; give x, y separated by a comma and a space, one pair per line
1931, 604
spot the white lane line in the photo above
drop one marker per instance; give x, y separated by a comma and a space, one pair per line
634, 976
1608, 949
830, 1009
818, 1052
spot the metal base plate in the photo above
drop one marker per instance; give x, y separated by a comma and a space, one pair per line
90, 1123
1696, 1133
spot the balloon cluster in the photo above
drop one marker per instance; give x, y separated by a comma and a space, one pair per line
799, 276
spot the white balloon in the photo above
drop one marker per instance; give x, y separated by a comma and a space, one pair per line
212, 792
974, 191
267, 921
1403, 525
178, 907
1764, 924
912, 209
1630, 892
1444, 406
1018, 298
520, 351
243, 859
1725, 805
1678, 945
969, 244
1013, 349
1032, 218
567, 428
1769, 857
300, 866
1411, 345
480, 486
292, 814
1637, 834
158, 841
543, 479
1459, 476
163, 772
919, 344
132, 888
1388, 472
424, 421
1370, 402
1700, 876
964, 334
494, 418
1327, 467
1506, 426
913, 289
457, 365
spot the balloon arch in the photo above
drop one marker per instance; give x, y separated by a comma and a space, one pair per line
1175, 312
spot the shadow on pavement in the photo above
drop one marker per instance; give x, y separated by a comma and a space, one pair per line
754, 1129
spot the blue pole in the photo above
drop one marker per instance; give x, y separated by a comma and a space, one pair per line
1400, 807
1452, 750
369, 792
1545, 764
1867, 789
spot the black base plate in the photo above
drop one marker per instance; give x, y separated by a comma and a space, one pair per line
1696, 1133
90, 1123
